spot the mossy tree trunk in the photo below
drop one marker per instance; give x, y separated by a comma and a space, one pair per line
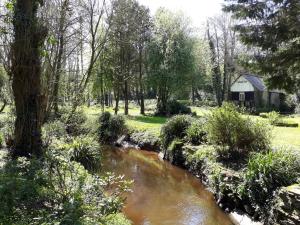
29, 36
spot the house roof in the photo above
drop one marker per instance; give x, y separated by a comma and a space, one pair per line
256, 81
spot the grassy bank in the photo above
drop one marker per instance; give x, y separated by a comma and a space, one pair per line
281, 136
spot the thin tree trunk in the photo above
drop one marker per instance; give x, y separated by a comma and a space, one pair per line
226, 72
126, 101
29, 35
142, 102
3, 106
216, 71
117, 98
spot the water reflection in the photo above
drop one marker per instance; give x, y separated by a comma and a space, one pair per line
163, 194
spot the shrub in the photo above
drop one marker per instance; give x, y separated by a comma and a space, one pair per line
174, 153
74, 122
116, 219
56, 190
84, 150
266, 173
51, 130
273, 117
226, 127
199, 159
196, 133
8, 129
176, 127
110, 127
174, 108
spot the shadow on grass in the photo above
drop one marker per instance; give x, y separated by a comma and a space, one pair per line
149, 119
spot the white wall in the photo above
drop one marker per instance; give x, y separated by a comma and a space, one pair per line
241, 85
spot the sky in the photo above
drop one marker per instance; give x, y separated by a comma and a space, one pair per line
197, 10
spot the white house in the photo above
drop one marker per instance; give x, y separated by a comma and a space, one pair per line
250, 91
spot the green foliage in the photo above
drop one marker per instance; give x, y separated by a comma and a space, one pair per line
84, 150
170, 56
1, 140
56, 190
53, 130
196, 133
226, 127
271, 27
8, 128
110, 127
176, 127
273, 117
116, 219
265, 173
175, 107
175, 152
276, 120
74, 122
204, 154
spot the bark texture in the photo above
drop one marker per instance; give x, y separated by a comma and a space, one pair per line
29, 36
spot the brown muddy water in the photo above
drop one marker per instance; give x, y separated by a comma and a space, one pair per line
162, 194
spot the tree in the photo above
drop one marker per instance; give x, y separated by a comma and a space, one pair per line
216, 71
143, 38
29, 36
272, 28
125, 50
170, 56
3, 84
222, 41
200, 81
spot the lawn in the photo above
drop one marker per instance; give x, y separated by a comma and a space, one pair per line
281, 136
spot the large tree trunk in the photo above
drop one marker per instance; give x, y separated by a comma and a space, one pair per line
29, 36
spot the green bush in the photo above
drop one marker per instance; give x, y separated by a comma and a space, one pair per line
175, 107
116, 219
56, 190
196, 133
199, 159
273, 117
176, 127
110, 127
8, 128
265, 173
52, 130
84, 150
226, 127
175, 153
74, 122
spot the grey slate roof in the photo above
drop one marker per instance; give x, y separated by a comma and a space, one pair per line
256, 81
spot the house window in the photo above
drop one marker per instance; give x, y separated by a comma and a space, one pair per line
242, 96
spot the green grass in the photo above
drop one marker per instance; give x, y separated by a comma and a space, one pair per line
281, 136
150, 124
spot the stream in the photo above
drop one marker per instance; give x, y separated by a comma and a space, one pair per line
162, 194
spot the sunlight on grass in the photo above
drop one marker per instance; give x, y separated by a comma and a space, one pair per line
282, 136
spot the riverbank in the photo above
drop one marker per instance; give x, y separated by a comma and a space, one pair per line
237, 186
162, 193
222, 181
